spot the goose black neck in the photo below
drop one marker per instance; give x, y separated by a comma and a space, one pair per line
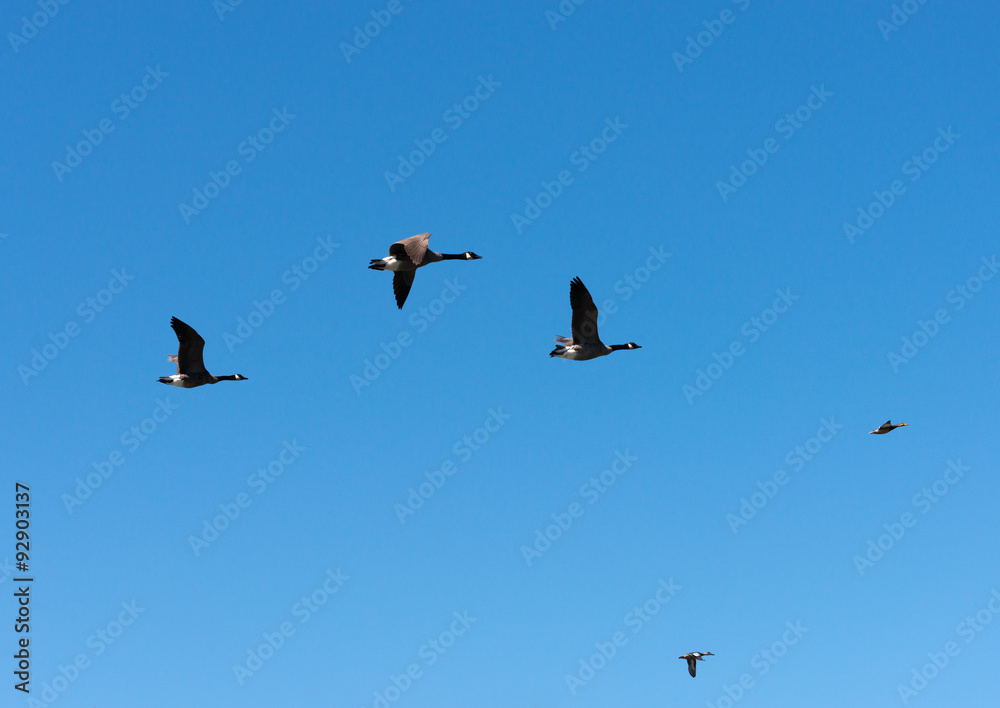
452, 256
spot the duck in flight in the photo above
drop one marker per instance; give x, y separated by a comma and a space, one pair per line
409, 254
585, 344
190, 365
693, 657
886, 427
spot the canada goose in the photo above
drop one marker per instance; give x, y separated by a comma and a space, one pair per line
886, 427
693, 657
409, 254
190, 365
585, 343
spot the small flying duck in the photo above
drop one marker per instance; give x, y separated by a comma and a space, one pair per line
886, 427
693, 657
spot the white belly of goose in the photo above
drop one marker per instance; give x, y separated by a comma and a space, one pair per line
582, 352
395, 264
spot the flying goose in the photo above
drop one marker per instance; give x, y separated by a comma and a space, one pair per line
409, 254
190, 366
693, 657
585, 343
886, 427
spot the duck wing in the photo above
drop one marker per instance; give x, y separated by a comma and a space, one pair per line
584, 314
189, 353
415, 248
692, 666
402, 281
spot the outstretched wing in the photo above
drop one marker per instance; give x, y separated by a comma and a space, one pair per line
402, 281
584, 314
189, 353
692, 665
414, 247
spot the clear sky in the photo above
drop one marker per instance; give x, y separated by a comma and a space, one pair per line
791, 207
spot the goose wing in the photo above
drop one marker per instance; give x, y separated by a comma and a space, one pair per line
584, 314
414, 247
402, 281
189, 353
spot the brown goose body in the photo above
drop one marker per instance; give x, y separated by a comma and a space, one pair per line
409, 254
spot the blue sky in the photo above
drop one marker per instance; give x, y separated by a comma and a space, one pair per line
791, 209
